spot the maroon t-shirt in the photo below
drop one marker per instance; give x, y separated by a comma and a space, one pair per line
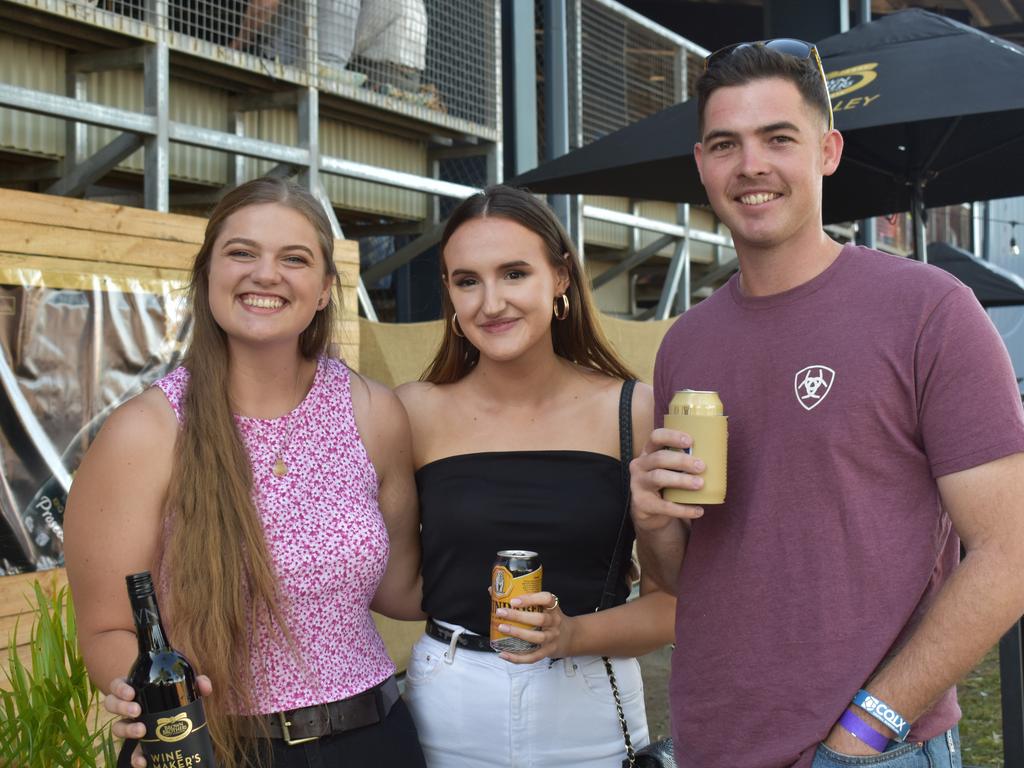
846, 396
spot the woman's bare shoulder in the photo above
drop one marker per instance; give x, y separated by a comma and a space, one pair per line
424, 400
413, 392
137, 423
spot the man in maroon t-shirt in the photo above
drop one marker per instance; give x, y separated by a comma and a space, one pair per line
874, 423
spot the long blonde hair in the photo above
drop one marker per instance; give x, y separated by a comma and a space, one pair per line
578, 338
220, 578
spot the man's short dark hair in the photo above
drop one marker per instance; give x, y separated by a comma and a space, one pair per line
756, 62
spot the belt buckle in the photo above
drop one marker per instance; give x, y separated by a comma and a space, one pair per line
286, 734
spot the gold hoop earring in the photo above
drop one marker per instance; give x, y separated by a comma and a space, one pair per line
561, 312
455, 327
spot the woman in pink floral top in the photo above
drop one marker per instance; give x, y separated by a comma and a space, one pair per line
265, 485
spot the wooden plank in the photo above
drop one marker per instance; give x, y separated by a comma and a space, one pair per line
348, 274
346, 252
43, 240
74, 274
53, 210
17, 607
17, 595
21, 623
22, 238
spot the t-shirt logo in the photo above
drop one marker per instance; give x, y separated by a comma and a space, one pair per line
812, 385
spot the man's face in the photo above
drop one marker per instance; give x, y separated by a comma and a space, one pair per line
761, 159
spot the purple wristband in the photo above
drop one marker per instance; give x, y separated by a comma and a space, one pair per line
863, 731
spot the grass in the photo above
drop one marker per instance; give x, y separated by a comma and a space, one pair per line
981, 729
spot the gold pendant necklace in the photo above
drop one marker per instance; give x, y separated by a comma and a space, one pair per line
280, 468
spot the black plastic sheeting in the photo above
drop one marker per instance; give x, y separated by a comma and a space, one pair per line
70, 356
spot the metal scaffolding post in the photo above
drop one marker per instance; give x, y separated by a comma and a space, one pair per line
309, 136
519, 65
556, 96
156, 97
678, 270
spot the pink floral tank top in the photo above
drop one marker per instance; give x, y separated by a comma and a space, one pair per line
327, 539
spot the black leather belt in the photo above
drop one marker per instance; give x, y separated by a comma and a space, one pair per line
467, 641
297, 726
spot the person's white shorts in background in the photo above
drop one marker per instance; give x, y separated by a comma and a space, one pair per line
475, 710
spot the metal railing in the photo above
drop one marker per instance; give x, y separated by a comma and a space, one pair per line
622, 68
629, 68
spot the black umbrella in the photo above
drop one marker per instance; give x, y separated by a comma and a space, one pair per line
993, 285
932, 112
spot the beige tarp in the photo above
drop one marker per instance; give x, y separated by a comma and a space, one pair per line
393, 353
637, 342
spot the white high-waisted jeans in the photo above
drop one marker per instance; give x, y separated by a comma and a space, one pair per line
475, 710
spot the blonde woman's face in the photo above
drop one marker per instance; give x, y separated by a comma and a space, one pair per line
268, 276
502, 286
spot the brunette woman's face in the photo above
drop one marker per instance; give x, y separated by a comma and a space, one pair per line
267, 275
502, 286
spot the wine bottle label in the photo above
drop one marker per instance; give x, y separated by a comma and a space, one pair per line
178, 738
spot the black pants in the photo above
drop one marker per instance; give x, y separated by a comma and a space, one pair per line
391, 743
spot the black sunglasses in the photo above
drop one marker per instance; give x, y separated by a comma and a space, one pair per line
787, 45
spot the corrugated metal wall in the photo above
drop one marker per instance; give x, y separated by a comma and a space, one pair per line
41, 67
364, 145
610, 235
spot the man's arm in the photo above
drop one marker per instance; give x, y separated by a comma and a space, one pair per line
982, 598
662, 527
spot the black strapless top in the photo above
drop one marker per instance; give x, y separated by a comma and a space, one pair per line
565, 505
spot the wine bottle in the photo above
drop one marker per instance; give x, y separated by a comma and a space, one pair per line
165, 687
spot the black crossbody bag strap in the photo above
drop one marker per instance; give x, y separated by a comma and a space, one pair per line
624, 541
623, 549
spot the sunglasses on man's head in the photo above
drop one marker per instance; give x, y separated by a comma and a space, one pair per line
786, 45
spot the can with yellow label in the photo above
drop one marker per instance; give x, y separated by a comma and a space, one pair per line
516, 572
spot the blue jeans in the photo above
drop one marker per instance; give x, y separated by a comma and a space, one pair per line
941, 752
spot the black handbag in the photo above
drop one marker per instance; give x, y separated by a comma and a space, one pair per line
658, 754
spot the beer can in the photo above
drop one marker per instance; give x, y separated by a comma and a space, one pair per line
516, 572
701, 416
691, 402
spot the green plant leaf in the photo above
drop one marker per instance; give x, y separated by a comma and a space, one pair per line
50, 716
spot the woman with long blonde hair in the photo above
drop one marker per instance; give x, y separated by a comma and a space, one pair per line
264, 485
521, 430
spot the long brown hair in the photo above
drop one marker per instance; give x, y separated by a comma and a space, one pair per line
578, 338
220, 579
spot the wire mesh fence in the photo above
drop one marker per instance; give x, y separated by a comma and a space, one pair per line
628, 71
439, 56
620, 71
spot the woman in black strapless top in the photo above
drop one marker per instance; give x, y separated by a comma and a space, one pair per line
517, 443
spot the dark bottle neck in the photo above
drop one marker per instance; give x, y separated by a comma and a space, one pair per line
148, 628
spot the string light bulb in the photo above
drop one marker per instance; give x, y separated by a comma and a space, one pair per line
1014, 246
